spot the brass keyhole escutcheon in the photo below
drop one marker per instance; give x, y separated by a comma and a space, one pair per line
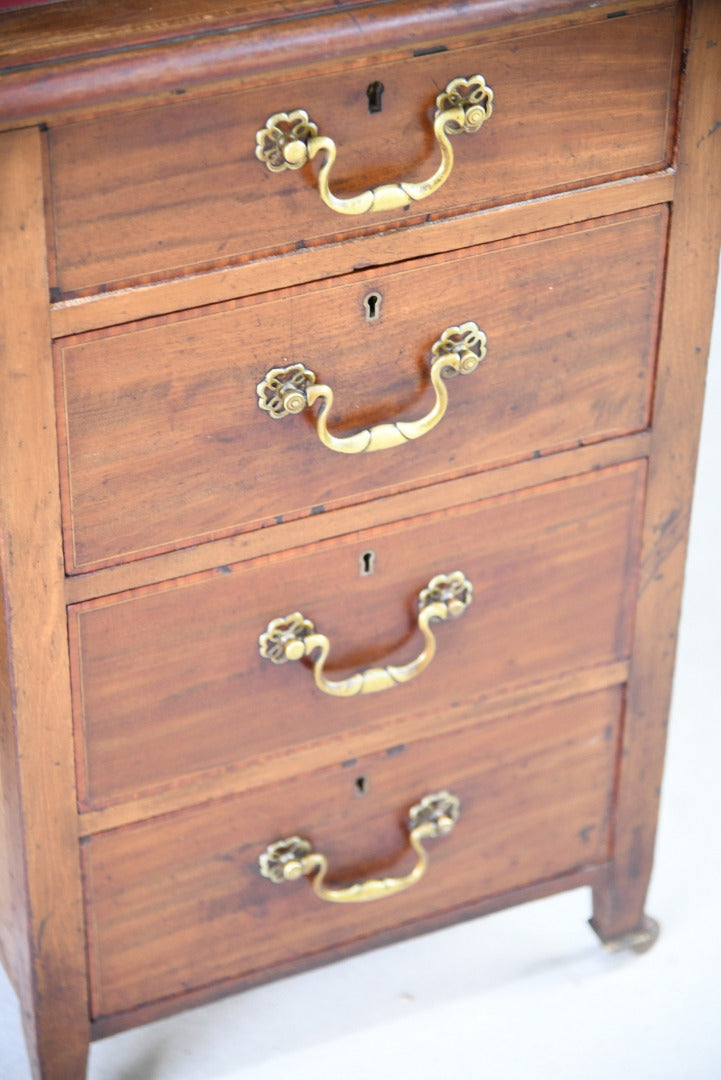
367, 563
372, 304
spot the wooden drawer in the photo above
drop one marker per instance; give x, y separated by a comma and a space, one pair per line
178, 903
169, 682
154, 191
164, 444
154, 521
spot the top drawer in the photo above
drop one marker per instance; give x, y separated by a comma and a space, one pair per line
155, 191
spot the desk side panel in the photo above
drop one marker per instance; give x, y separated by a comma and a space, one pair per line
37, 754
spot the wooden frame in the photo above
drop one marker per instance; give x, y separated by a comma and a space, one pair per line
42, 932
692, 268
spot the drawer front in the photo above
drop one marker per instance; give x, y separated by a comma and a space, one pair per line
169, 681
178, 903
160, 190
165, 445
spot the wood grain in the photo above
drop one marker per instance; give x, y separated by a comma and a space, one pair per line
352, 517
143, 1014
166, 191
168, 681
692, 270
11, 889
107, 71
165, 444
561, 485
88, 27
178, 903
114, 307
374, 737
45, 935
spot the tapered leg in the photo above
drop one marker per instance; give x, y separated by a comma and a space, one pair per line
41, 910
56, 1058
618, 915
619, 894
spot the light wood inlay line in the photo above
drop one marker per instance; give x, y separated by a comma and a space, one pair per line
326, 752
347, 519
297, 267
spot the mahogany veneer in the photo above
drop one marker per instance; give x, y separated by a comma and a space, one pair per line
562, 757
159, 416
191, 644
154, 521
161, 190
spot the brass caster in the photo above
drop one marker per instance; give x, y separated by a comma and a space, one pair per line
638, 941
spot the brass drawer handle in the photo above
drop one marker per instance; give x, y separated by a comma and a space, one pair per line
292, 858
286, 391
293, 637
289, 140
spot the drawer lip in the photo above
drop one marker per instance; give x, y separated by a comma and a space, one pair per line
96, 69
132, 435
233, 780
558, 822
137, 655
156, 220
203, 289
340, 522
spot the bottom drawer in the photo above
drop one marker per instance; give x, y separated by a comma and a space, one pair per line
177, 903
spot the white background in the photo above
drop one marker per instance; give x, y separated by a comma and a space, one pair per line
524, 993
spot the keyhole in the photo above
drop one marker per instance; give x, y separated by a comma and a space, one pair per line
375, 93
361, 785
367, 563
372, 304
